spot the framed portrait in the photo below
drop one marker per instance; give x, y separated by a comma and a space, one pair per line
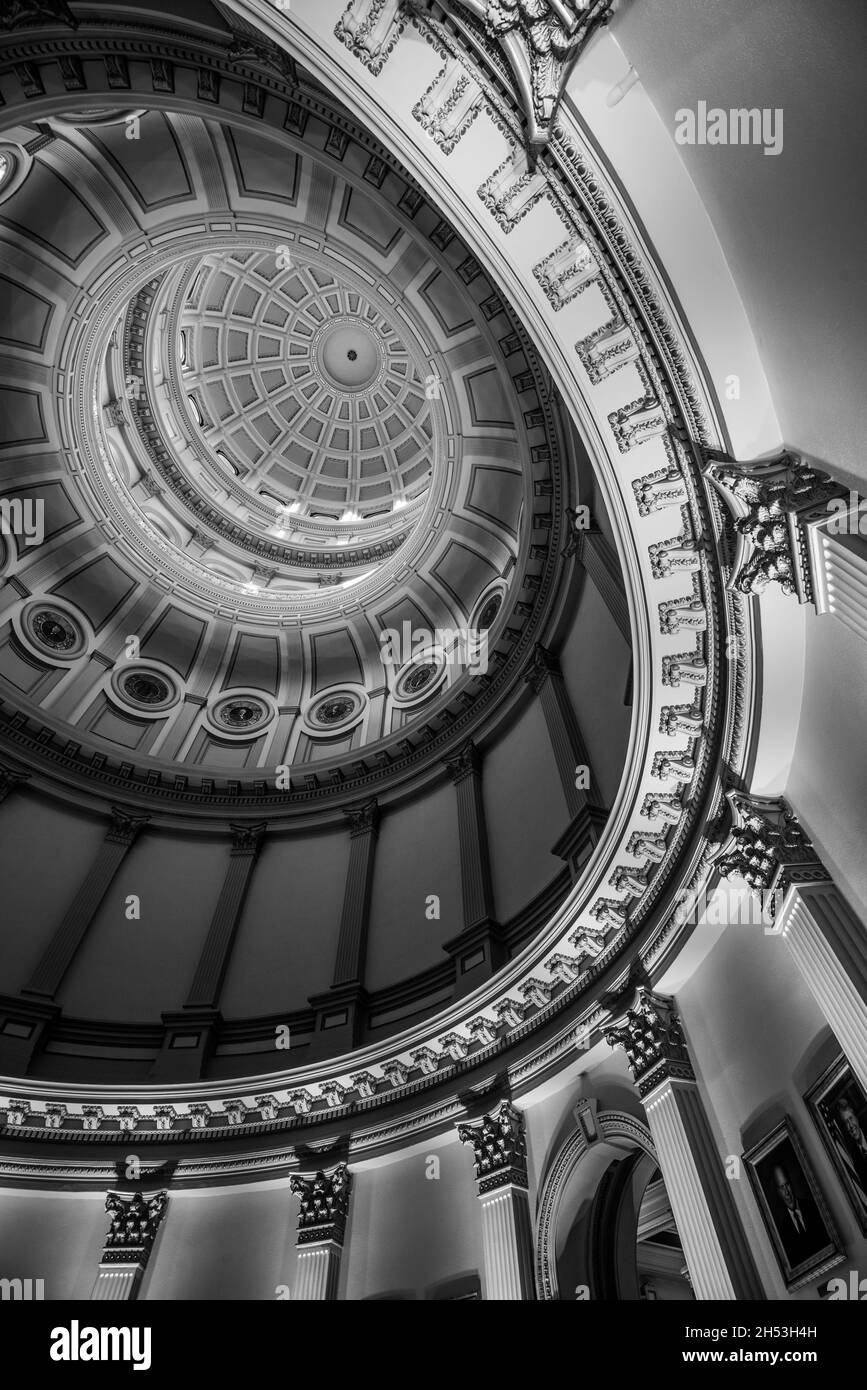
838, 1108
793, 1209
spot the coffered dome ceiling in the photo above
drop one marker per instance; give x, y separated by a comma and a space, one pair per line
279, 411
311, 425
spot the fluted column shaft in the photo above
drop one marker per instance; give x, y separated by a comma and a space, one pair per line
214, 960
716, 1250
567, 744
600, 562
829, 945
351, 946
318, 1272
476, 889
698, 1190
55, 962
507, 1236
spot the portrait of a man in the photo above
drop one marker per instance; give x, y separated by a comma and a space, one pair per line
792, 1206
838, 1106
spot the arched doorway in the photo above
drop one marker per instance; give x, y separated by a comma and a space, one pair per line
605, 1229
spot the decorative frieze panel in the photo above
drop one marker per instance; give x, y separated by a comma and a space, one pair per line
663, 488
637, 422
512, 190
565, 272
370, 29
607, 349
450, 105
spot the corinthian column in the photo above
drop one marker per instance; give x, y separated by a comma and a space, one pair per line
768, 850
122, 833
500, 1155
189, 1034
478, 950
135, 1221
713, 1242
340, 1010
321, 1231
600, 562
586, 815
211, 970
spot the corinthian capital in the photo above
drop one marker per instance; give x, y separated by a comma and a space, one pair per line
771, 503
134, 1224
247, 839
767, 847
542, 664
466, 760
499, 1147
653, 1041
363, 819
10, 778
324, 1204
124, 827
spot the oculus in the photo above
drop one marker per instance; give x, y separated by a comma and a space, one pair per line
242, 714
338, 709
54, 631
144, 689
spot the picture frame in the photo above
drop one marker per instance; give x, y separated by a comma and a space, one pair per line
837, 1105
802, 1232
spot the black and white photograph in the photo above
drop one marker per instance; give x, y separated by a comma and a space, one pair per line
433, 667
838, 1106
792, 1205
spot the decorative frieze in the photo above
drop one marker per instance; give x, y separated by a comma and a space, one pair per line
607, 349
663, 488
687, 668
512, 190
635, 423
565, 272
448, 107
370, 29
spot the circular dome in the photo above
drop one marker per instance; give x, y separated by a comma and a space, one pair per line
303, 394
348, 354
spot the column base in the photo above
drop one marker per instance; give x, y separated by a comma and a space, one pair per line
24, 1027
189, 1040
477, 953
340, 1020
577, 842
